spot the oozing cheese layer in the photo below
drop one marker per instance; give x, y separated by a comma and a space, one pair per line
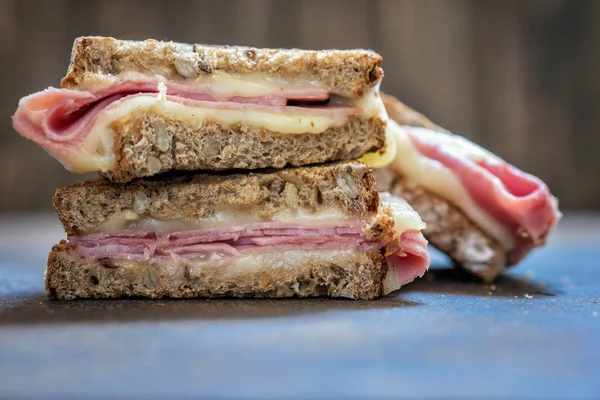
221, 84
374, 104
273, 260
405, 218
129, 219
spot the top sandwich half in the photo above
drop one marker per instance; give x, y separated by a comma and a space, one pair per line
130, 109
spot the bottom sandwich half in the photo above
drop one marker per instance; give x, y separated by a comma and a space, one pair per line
317, 231
338, 273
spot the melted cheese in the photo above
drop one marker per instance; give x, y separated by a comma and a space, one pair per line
129, 219
294, 261
438, 179
373, 104
382, 158
221, 84
390, 282
405, 217
255, 86
290, 259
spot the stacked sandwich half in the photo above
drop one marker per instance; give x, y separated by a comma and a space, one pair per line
206, 189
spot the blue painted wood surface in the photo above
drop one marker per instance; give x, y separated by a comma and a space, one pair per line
534, 333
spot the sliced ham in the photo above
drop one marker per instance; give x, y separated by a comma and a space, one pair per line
413, 260
218, 239
229, 233
518, 201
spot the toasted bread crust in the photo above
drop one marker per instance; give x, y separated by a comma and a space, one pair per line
344, 72
348, 187
359, 276
216, 147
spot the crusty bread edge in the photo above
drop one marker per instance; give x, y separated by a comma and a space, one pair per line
361, 69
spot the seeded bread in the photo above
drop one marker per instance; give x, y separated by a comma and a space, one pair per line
448, 228
344, 72
348, 187
147, 143
352, 274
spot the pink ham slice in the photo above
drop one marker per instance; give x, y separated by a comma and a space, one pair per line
227, 233
231, 242
413, 260
60, 119
517, 200
252, 235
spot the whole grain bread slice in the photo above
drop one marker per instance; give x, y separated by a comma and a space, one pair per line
150, 142
348, 187
356, 274
343, 72
448, 227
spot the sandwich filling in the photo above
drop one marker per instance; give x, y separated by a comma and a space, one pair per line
75, 125
395, 232
514, 207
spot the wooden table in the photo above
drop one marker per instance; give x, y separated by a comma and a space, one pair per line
535, 332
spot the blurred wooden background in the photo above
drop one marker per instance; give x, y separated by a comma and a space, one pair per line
519, 77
